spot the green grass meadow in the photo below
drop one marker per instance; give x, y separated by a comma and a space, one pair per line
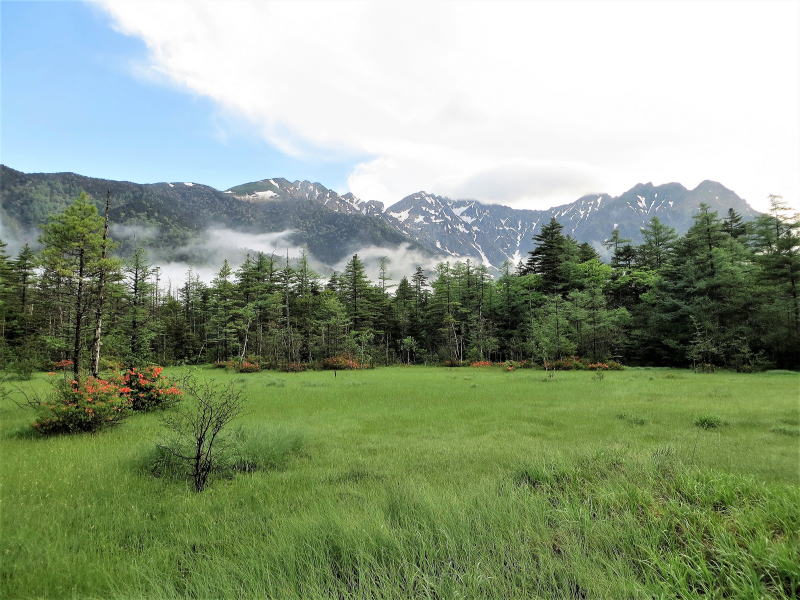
428, 483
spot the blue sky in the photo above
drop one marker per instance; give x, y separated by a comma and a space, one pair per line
71, 101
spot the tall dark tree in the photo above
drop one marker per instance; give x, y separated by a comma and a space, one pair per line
547, 259
73, 251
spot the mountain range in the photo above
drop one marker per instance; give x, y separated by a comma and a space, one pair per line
331, 226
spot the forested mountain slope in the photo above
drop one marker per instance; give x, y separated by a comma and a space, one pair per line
180, 212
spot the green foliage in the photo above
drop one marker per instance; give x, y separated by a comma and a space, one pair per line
708, 422
717, 297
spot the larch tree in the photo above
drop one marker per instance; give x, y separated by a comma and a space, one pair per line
73, 250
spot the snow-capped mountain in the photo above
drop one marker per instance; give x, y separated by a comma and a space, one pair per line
492, 233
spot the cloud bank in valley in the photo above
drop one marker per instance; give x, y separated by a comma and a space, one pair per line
204, 255
526, 103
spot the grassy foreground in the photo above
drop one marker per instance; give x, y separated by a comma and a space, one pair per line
429, 483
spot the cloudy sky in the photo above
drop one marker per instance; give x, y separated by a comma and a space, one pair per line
525, 103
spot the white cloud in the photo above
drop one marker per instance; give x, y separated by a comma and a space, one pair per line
403, 261
528, 103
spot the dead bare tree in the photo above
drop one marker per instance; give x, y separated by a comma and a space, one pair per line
197, 427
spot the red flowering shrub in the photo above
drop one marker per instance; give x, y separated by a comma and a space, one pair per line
341, 363
598, 366
573, 363
81, 407
294, 367
147, 389
481, 363
249, 367
63, 364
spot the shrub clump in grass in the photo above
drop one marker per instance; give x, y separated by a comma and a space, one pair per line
782, 430
633, 420
294, 367
244, 451
260, 449
341, 363
195, 435
80, 407
574, 363
708, 422
147, 389
249, 367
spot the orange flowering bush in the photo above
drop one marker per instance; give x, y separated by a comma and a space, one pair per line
481, 363
147, 389
294, 367
341, 363
63, 364
249, 367
81, 407
598, 366
573, 363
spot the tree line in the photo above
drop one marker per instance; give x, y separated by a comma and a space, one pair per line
724, 294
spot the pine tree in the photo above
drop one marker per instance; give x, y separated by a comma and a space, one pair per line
355, 294
73, 251
586, 252
776, 240
659, 241
734, 225
140, 330
549, 257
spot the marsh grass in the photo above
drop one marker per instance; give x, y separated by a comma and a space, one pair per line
414, 485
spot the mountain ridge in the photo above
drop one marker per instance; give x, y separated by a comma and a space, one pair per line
331, 225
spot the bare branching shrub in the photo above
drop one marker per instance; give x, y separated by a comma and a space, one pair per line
195, 432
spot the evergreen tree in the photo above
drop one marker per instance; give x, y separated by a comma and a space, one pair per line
549, 257
355, 294
734, 225
73, 252
659, 241
140, 329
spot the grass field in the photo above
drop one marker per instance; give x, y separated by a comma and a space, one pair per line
429, 483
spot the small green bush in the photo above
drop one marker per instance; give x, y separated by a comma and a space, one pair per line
708, 422
794, 432
260, 449
160, 462
454, 363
